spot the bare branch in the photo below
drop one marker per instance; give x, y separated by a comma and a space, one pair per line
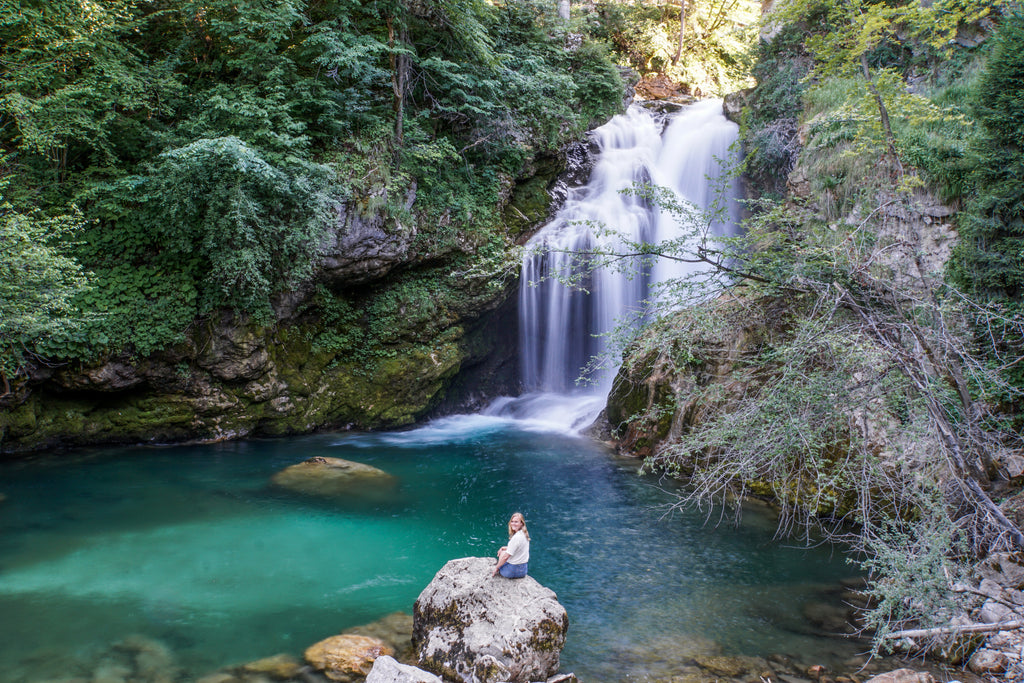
954, 630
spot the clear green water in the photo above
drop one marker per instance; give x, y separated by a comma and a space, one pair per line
192, 546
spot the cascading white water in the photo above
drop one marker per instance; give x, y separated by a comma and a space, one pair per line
563, 328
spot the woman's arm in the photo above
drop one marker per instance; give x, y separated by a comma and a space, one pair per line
502, 559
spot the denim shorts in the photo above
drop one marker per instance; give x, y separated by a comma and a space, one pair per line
513, 571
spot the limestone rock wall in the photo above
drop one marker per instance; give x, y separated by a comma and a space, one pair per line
426, 331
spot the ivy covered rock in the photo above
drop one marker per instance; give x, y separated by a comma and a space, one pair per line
667, 388
474, 627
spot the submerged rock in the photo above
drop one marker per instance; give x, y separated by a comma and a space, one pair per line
280, 667
470, 626
334, 477
394, 629
346, 658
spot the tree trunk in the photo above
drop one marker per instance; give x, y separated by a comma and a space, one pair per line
398, 39
682, 31
563, 10
947, 630
883, 113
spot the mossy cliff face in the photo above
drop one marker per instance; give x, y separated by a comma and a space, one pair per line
258, 381
669, 383
389, 332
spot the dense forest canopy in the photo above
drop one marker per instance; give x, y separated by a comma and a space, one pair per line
201, 149
190, 156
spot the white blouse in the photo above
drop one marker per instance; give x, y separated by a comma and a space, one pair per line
518, 548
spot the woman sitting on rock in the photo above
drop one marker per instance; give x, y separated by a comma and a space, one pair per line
512, 558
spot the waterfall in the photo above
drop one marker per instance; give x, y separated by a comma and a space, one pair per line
562, 328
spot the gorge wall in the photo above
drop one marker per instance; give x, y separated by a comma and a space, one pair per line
388, 331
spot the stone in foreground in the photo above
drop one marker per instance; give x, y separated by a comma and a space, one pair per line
469, 626
903, 676
388, 670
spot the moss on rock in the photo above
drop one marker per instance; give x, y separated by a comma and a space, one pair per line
242, 380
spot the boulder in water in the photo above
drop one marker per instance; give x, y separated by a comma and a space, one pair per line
334, 477
388, 670
473, 627
394, 629
281, 667
346, 658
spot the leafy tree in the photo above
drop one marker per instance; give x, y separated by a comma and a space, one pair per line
863, 401
38, 284
250, 228
869, 38
990, 257
75, 92
704, 45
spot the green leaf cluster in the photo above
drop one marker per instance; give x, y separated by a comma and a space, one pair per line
39, 285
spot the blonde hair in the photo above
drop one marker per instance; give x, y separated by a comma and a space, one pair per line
525, 530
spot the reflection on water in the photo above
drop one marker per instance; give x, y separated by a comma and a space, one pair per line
191, 545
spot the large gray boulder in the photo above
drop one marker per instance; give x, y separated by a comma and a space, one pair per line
470, 626
389, 670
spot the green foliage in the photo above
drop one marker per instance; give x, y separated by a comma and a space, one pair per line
912, 565
38, 284
769, 127
852, 108
211, 143
253, 227
938, 145
343, 330
845, 141
885, 35
873, 49
143, 308
76, 91
990, 257
716, 42
794, 436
